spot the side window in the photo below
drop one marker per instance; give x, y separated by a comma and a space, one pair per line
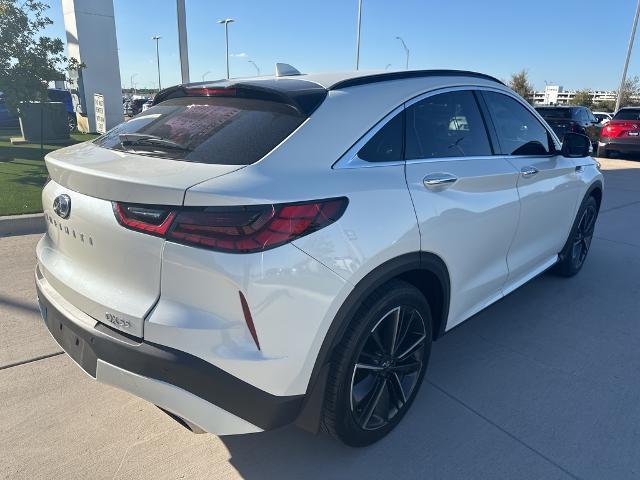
446, 125
519, 132
386, 144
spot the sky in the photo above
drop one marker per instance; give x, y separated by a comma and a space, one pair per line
574, 43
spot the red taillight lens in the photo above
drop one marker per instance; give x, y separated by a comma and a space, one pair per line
233, 229
254, 229
613, 130
155, 221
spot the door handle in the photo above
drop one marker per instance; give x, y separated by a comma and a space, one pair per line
436, 180
529, 171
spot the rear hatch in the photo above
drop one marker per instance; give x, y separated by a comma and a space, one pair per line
625, 126
559, 119
110, 272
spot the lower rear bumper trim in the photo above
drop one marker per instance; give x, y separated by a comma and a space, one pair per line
88, 346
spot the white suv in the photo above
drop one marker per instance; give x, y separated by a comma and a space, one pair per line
251, 253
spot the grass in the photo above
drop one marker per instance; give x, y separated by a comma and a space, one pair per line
23, 172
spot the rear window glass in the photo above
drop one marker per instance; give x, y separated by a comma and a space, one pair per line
628, 114
216, 130
554, 112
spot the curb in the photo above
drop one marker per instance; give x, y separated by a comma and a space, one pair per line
22, 224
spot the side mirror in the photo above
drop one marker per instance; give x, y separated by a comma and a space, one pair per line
575, 145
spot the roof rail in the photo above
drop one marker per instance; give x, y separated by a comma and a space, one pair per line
383, 77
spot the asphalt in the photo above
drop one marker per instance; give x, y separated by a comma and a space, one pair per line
542, 385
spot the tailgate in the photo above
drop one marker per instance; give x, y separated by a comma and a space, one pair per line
108, 272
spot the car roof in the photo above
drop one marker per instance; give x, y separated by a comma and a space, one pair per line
307, 91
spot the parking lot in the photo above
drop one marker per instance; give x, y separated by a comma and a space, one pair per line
543, 384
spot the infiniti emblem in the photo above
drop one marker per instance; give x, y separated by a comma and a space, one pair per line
62, 205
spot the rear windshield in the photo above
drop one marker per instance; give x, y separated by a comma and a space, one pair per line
554, 112
216, 130
628, 114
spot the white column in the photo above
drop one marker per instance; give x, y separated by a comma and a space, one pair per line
91, 39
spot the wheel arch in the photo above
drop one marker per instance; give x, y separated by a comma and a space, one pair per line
426, 271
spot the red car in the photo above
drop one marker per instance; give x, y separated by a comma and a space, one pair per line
621, 134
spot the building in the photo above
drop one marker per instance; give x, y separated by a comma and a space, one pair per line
556, 95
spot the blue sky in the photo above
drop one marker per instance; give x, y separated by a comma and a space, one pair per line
574, 43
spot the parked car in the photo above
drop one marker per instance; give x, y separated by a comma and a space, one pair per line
134, 106
254, 252
621, 134
7, 118
603, 117
147, 105
564, 119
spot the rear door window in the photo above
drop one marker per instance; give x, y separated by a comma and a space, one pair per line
446, 125
519, 131
215, 130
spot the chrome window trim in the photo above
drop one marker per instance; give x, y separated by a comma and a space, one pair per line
351, 159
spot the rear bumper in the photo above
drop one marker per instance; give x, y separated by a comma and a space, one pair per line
622, 145
177, 381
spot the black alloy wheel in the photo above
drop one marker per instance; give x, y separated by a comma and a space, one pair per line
388, 367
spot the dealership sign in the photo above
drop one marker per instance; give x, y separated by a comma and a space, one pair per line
98, 106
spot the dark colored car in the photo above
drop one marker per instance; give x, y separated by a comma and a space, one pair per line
134, 106
7, 119
621, 134
572, 119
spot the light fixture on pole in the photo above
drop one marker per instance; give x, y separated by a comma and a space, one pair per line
226, 23
157, 39
406, 51
626, 62
358, 34
387, 67
255, 66
205, 74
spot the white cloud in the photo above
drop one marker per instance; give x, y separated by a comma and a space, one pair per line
239, 55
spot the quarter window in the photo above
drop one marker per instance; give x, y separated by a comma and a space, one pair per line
519, 132
446, 125
386, 144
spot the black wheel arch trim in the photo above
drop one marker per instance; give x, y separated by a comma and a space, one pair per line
311, 412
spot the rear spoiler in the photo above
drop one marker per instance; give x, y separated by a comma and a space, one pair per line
303, 95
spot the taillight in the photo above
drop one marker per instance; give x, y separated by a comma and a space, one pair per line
612, 130
233, 229
155, 221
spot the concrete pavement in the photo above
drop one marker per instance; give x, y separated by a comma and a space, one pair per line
543, 384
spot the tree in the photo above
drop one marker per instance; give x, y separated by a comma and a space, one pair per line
28, 60
630, 92
604, 106
583, 98
520, 84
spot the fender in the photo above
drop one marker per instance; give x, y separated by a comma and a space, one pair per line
311, 413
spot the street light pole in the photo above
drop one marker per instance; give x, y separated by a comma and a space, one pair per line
406, 50
205, 74
358, 34
157, 39
133, 90
626, 62
256, 66
226, 23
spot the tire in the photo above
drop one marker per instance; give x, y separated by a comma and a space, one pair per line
364, 403
574, 252
602, 152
